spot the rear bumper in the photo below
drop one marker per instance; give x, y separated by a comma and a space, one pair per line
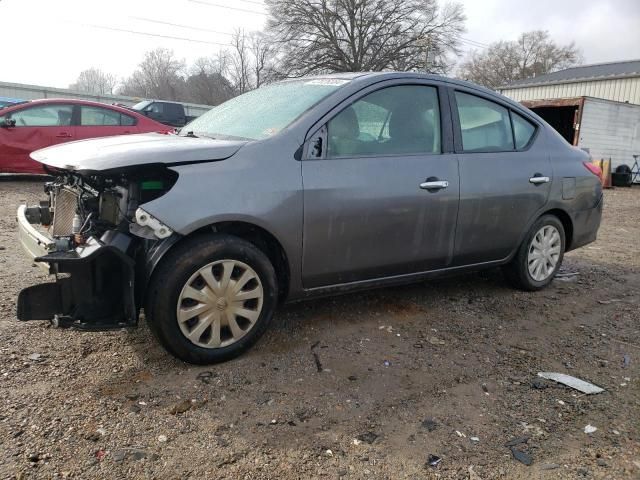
586, 224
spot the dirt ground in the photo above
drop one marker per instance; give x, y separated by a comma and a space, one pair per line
444, 368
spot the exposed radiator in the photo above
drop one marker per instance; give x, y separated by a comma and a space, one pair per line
65, 207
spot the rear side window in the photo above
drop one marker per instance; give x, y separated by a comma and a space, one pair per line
523, 130
485, 125
96, 116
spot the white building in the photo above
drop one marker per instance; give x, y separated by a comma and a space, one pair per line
594, 107
617, 81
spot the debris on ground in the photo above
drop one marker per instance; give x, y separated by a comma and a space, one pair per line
430, 424
589, 429
433, 460
517, 441
522, 457
205, 377
626, 361
573, 382
386, 363
368, 437
436, 341
181, 407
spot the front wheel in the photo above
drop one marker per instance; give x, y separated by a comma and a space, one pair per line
211, 298
539, 256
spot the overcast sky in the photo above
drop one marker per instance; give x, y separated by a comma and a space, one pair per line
49, 42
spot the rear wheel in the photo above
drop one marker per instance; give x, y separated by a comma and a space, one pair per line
539, 256
211, 298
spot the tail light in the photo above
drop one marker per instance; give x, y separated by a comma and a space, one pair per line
593, 169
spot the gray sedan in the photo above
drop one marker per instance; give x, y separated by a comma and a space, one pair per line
306, 187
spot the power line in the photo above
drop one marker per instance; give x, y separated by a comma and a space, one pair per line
160, 22
201, 2
253, 1
170, 37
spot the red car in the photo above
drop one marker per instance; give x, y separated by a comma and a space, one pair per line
41, 123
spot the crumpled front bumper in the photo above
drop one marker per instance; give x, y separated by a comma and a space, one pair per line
35, 243
95, 282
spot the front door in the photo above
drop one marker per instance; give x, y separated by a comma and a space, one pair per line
380, 197
35, 127
505, 178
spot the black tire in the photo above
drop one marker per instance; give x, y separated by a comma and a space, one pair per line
517, 271
178, 267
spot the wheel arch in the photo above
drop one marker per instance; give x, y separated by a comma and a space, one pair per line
567, 224
258, 236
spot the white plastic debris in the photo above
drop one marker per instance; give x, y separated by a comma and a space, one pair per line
573, 382
590, 429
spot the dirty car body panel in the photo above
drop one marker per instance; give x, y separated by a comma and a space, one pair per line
331, 224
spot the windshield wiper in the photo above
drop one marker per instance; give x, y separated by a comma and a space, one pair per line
190, 134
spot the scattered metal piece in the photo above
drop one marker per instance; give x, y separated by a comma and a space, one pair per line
589, 429
626, 361
433, 460
522, 457
386, 363
573, 382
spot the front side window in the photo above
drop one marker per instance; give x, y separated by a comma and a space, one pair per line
43, 116
485, 125
400, 120
523, 130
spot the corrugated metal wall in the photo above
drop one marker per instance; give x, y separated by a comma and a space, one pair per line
610, 130
32, 92
619, 90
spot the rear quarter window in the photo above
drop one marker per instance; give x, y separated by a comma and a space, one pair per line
523, 130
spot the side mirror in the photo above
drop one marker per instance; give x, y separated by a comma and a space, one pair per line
8, 123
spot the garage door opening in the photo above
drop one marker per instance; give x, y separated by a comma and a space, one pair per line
563, 115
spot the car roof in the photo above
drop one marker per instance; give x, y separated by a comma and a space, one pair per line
373, 77
89, 103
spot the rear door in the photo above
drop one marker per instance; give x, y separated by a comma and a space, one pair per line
380, 187
103, 122
35, 127
505, 176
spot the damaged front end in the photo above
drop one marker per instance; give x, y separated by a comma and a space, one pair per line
93, 234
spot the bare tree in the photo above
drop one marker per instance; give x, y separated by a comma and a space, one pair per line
95, 81
263, 53
159, 75
240, 62
532, 54
364, 35
207, 84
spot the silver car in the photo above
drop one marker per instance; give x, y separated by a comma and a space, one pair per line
307, 187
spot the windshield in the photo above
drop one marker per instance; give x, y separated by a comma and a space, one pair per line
263, 112
141, 105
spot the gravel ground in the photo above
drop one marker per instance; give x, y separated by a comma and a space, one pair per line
445, 368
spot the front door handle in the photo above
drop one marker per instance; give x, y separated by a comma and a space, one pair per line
434, 185
537, 179
64, 135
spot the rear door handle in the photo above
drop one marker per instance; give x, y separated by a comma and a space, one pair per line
64, 135
538, 179
434, 185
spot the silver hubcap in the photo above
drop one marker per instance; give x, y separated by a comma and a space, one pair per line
220, 303
544, 253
